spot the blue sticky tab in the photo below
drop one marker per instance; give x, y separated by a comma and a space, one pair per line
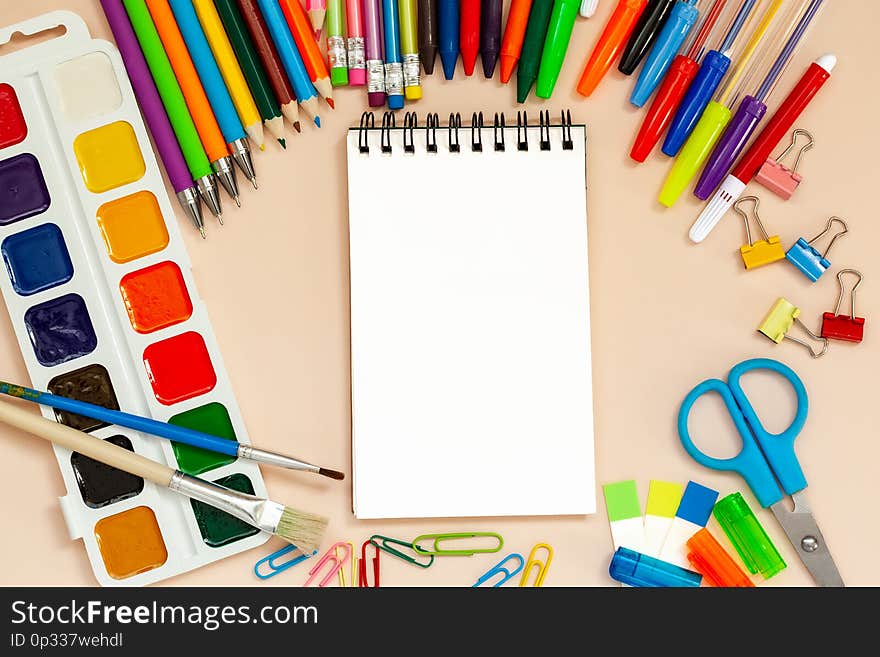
807, 259
696, 504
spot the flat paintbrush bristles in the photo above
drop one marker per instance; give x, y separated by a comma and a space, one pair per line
305, 530
333, 474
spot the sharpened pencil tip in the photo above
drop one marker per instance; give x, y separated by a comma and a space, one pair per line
333, 474
297, 127
283, 144
331, 103
318, 121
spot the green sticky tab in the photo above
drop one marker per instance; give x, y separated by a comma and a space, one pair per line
663, 498
622, 500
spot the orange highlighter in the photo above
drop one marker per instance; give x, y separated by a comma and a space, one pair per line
610, 43
711, 560
514, 33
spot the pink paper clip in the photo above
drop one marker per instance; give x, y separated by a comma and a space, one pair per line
777, 177
330, 555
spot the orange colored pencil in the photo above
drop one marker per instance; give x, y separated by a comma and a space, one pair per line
304, 35
514, 32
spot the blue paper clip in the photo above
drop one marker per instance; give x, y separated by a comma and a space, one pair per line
276, 568
808, 260
499, 568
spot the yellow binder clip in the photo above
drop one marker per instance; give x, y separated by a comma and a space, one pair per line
534, 562
762, 252
779, 322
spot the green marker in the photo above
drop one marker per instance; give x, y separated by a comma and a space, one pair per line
748, 536
336, 53
555, 45
533, 43
175, 106
252, 68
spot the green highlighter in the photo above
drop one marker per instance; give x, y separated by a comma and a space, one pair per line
558, 35
533, 44
748, 536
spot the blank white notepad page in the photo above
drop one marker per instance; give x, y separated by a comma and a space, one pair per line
470, 334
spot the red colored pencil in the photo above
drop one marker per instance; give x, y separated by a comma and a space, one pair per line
469, 39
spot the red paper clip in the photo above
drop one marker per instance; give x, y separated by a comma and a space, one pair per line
363, 579
844, 327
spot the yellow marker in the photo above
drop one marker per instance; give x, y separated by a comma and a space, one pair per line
109, 157
230, 70
762, 252
542, 566
779, 321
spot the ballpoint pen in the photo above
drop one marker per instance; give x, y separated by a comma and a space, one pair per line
617, 30
644, 34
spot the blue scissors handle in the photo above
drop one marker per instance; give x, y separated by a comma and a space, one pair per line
764, 457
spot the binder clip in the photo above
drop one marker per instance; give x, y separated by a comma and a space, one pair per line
762, 252
777, 177
808, 260
844, 327
779, 321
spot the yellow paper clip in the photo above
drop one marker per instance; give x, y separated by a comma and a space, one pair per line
779, 321
762, 252
542, 567
339, 552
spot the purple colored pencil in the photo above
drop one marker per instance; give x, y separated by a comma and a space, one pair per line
153, 111
372, 16
490, 35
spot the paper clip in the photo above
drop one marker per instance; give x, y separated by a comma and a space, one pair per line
807, 259
354, 564
363, 578
762, 252
387, 542
779, 321
274, 567
777, 177
464, 552
542, 567
844, 327
330, 555
499, 568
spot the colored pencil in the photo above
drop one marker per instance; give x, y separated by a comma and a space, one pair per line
154, 113
317, 10
337, 56
257, 81
409, 48
374, 53
357, 66
175, 106
469, 42
194, 95
305, 91
514, 33
394, 90
230, 70
272, 63
214, 86
302, 32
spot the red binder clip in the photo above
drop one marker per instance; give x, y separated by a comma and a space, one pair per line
777, 177
844, 327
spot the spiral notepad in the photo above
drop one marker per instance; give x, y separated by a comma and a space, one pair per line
470, 335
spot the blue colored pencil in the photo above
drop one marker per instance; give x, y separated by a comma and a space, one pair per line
393, 58
448, 17
291, 59
163, 430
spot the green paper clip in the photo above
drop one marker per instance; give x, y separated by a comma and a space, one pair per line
440, 552
385, 547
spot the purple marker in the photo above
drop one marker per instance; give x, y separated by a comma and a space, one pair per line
375, 56
153, 111
490, 35
750, 112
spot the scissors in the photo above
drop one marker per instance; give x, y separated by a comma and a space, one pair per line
767, 462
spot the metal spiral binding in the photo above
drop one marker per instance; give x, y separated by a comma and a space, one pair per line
432, 121
368, 122
410, 123
477, 132
497, 130
567, 143
544, 129
454, 124
388, 122
522, 131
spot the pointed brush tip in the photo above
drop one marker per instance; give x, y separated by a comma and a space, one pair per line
237, 202
254, 183
202, 231
333, 474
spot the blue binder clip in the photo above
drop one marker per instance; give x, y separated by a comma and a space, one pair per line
808, 260
275, 567
499, 568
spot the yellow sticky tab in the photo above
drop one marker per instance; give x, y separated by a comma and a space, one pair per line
779, 320
663, 498
762, 252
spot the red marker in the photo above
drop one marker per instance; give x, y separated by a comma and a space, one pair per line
469, 40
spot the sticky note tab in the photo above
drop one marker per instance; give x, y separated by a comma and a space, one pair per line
692, 515
624, 514
663, 500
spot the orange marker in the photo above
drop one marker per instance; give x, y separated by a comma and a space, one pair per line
194, 95
304, 35
610, 43
514, 32
712, 561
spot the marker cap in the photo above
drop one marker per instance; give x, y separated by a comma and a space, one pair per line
637, 569
748, 536
723, 200
711, 560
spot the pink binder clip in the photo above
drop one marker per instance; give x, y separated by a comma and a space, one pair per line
330, 555
777, 177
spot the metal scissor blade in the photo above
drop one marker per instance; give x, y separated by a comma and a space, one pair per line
804, 534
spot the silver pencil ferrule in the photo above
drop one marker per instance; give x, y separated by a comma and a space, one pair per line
271, 458
261, 513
